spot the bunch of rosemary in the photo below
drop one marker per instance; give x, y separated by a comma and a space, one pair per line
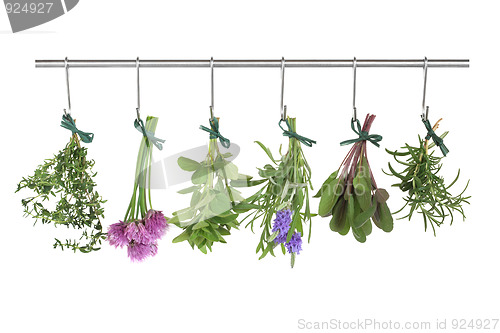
427, 192
67, 179
350, 194
285, 192
215, 204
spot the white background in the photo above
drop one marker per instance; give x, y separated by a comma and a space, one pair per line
407, 275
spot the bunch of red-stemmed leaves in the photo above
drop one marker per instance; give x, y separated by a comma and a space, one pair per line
142, 226
67, 178
427, 192
351, 197
283, 195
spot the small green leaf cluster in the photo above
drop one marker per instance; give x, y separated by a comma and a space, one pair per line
286, 184
427, 192
67, 178
215, 204
353, 202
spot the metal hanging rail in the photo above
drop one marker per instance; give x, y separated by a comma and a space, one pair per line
407, 63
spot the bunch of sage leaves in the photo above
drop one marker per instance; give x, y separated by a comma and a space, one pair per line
215, 204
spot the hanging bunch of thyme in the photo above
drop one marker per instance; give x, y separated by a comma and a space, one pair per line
427, 192
284, 195
350, 194
215, 204
67, 179
142, 226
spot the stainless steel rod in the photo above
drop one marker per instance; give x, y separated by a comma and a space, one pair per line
451, 63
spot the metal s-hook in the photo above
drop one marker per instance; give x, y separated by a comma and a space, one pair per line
138, 108
425, 108
211, 88
66, 67
354, 111
282, 106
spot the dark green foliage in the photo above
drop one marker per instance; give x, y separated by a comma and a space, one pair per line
427, 192
351, 198
67, 179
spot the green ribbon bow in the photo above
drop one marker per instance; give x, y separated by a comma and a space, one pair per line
291, 134
437, 140
68, 123
363, 136
214, 132
139, 125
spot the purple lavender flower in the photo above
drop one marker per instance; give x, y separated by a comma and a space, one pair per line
295, 243
156, 225
282, 225
116, 234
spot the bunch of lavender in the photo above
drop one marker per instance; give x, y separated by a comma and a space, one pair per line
142, 226
352, 197
285, 193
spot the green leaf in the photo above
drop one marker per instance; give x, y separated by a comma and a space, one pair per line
201, 224
386, 221
345, 229
359, 234
182, 237
184, 214
189, 189
326, 183
268, 152
338, 220
188, 164
220, 203
367, 228
231, 171
362, 190
224, 220
330, 196
200, 176
350, 211
381, 195
364, 216
244, 207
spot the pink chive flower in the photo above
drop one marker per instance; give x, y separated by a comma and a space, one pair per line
140, 236
140, 251
156, 225
116, 234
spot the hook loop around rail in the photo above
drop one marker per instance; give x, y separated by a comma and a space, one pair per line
138, 108
66, 67
211, 88
425, 108
354, 110
282, 106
